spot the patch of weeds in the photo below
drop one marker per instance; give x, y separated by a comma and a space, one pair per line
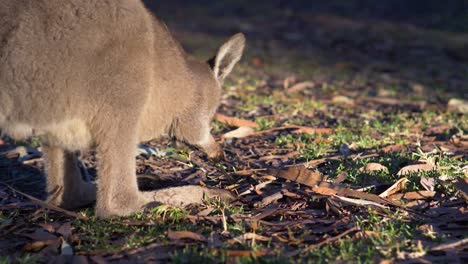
385, 237
264, 123
306, 144
168, 213
198, 255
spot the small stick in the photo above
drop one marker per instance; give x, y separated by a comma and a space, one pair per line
450, 245
48, 206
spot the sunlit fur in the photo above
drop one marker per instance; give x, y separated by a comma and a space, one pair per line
106, 74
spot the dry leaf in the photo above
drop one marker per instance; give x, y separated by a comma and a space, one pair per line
342, 100
416, 168
40, 235
420, 195
65, 230
240, 132
392, 148
462, 185
179, 235
427, 183
341, 177
297, 130
324, 190
358, 202
299, 174
236, 122
437, 129
457, 106
373, 167
269, 199
299, 87
396, 187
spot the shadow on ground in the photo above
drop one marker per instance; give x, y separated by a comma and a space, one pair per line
418, 46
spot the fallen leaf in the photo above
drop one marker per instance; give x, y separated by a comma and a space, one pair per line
416, 168
299, 174
324, 190
236, 122
40, 235
65, 230
38, 245
462, 185
358, 202
342, 100
341, 177
419, 195
427, 183
396, 187
373, 167
179, 235
435, 130
392, 148
457, 106
269, 199
240, 132
299, 87
297, 130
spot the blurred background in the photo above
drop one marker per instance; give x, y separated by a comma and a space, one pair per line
410, 45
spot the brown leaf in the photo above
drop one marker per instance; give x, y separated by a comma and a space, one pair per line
65, 230
462, 185
341, 177
324, 190
427, 183
310, 130
392, 148
416, 168
419, 195
38, 245
179, 235
396, 187
236, 122
240, 132
297, 130
373, 167
299, 174
342, 100
40, 234
358, 202
269, 199
440, 129
299, 87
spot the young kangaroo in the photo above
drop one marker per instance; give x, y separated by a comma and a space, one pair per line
105, 74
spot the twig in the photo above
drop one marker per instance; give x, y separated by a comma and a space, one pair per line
48, 206
450, 245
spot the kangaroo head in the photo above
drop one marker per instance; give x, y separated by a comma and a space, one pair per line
193, 126
223, 63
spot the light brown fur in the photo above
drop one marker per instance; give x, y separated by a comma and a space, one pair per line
105, 74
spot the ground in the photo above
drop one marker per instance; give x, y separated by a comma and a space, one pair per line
352, 145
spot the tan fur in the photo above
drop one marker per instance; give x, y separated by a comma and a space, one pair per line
105, 73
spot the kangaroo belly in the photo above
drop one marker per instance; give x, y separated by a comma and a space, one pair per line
70, 134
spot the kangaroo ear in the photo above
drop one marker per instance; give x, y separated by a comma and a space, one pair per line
228, 55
